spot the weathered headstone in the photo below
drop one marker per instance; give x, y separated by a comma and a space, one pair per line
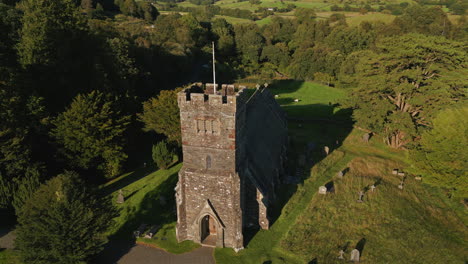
395, 172
266, 85
341, 254
401, 174
276, 96
361, 195
418, 178
340, 174
322, 190
257, 86
400, 186
296, 100
301, 160
354, 255
120, 197
372, 187
327, 150
366, 137
162, 200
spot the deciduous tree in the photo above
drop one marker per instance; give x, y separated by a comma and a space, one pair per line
161, 114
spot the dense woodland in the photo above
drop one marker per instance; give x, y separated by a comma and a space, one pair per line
81, 94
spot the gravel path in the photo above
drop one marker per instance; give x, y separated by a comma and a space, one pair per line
148, 255
123, 252
7, 237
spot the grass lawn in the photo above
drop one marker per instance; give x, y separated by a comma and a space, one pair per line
143, 190
9, 256
315, 100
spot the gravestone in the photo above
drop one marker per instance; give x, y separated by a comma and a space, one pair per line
120, 197
301, 160
401, 174
257, 86
341, 254
296, 100
322, 190
162, 200
152, 231
354, 255
144, 164
361, 195
276, 96
400, 186
340, 174
372, 187
265, 85
395, 172
418, 178
327, 150
366, 137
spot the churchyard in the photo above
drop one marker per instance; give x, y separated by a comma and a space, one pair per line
339, 206
361, 207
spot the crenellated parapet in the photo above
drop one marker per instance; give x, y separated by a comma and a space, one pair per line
203, 95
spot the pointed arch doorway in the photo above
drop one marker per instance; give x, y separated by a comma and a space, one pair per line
208, 232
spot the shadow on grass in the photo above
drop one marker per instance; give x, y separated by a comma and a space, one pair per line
150, 211
118, 184
309, 136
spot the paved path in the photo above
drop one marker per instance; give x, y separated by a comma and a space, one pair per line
148, 255
125, 252
7, 237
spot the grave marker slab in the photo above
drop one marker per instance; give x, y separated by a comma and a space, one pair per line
322, 190
354, 255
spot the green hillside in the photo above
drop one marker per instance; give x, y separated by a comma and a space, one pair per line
413, 225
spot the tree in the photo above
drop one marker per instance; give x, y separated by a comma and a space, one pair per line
148, 12
49, 26
91, 134
64, 221
324, 78
404, 83
129, 8
441, 154
161, 114
249, 44
162, 155
225, 45
25, 187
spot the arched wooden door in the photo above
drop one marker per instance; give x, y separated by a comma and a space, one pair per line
208, 227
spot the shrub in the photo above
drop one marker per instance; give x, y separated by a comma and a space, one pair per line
162, 154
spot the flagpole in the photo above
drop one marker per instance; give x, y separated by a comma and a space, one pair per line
214, 69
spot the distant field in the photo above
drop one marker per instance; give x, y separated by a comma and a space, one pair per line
370, 17
235, 20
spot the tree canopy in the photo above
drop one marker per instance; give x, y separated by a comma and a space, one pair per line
441, 155
63, 222
90, 133
161, 114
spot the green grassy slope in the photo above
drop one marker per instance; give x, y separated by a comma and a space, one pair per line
143, 189
414, 225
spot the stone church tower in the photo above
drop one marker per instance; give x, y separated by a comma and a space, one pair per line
234, 144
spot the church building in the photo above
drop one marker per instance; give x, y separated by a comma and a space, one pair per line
234, 143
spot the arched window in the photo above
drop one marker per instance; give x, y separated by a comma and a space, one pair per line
208, 162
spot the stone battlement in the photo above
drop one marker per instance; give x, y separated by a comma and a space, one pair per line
203, 94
